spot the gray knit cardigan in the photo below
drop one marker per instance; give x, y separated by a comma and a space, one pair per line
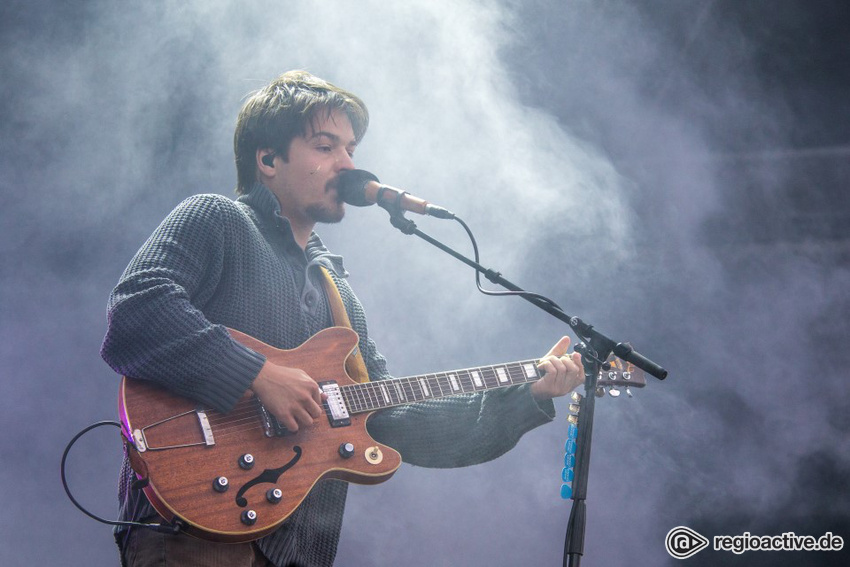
216, 263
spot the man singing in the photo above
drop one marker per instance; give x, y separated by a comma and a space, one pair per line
255, 265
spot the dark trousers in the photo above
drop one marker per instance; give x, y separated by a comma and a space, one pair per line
147, 548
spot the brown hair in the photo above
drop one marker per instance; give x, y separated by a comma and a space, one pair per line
273, 116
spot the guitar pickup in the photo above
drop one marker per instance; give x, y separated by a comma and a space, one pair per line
335, 407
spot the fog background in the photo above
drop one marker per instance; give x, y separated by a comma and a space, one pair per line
672, 171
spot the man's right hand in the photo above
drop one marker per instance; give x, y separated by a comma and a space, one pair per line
289, 394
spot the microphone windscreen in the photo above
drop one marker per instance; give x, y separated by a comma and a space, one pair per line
352, 185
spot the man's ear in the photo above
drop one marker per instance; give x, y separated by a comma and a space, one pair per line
265, 161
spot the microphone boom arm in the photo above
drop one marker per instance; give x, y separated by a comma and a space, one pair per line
601, 343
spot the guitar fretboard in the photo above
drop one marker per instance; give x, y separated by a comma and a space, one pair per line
371, 396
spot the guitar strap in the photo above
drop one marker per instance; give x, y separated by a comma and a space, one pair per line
354, 364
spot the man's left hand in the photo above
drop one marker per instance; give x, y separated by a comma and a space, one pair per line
564, 372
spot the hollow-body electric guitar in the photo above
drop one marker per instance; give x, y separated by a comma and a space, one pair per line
236, 477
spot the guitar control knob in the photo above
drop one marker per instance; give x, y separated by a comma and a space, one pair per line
346, 450
246, 461
221, 484
249, 517
274, 495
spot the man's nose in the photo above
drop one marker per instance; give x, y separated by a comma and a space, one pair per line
344, 161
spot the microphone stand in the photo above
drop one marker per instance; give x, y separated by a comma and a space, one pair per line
595, 349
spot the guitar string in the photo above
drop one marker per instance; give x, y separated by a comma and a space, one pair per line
374, 395
380, 394
369, 396
383, 393
400, 391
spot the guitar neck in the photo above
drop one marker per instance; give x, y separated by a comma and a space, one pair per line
380, 394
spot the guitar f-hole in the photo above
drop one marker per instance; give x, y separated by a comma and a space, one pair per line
269, 475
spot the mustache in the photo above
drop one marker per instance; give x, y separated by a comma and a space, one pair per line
334, 185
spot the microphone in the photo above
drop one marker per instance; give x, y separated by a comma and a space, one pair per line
361, 189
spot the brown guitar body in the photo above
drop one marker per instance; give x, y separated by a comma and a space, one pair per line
182, 450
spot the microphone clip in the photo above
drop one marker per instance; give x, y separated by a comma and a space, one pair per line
397, 218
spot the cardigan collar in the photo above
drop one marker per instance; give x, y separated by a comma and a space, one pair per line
262, 200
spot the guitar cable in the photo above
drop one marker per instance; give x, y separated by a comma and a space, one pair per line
166, 528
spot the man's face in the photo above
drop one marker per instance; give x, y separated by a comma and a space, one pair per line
306, 184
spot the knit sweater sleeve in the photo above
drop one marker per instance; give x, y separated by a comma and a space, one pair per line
156, 330
461, 430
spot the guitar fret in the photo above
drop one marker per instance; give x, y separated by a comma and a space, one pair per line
374, 394
498, 373
433, 386
361, 398
514, 374
400, 391
357, 398
489, 377
409, 390
374, 398
367, 396
386, 394
404, 394
390, 393
350, 402
439, 386
465, 379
